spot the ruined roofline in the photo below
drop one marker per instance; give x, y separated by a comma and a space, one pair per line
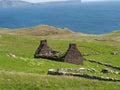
43, 42
71, 46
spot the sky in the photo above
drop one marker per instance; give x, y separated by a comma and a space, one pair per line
35, 1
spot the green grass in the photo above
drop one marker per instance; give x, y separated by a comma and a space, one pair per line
23, 72
24, 81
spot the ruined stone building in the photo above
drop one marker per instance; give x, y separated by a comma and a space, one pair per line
72, 55
43, 50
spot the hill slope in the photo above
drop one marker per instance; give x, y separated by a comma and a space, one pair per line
19, 70
51, 32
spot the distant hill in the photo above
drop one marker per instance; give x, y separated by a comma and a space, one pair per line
13, 3
60, 1
19, 3
62, 33
40, 30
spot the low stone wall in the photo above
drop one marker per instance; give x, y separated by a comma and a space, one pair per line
115, 53
105, 64
60, 72
106, 70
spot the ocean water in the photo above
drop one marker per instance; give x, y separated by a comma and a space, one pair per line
91, 18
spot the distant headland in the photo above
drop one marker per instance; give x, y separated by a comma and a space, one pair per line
21, 3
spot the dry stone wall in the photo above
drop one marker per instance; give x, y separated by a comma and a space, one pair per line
62, 72
105, 64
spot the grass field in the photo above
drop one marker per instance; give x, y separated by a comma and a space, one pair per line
23, 72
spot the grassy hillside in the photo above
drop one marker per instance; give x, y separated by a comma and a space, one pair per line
20, 71
41, 30
45, 31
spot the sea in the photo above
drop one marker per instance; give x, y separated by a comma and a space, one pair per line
90, 18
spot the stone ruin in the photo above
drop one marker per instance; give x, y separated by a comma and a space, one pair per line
44, 50
72, 55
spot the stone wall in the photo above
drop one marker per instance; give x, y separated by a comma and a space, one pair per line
62, 72
115, 53
105, 64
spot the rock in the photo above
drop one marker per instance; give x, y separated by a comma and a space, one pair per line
82, 69
11, 55
92, 70
61, 71
52, 72
115, 53
109, 71
105, 70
